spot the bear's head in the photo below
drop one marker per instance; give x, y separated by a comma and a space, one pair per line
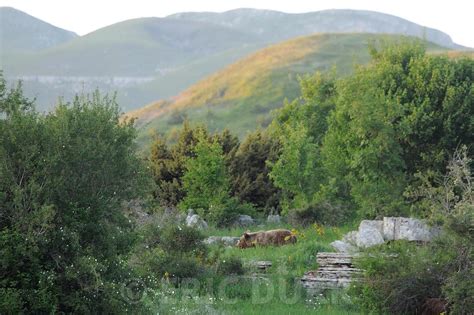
245, 241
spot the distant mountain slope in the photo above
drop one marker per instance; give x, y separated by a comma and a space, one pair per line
23, 33
155, 58
139, 47
241, 96
264, 23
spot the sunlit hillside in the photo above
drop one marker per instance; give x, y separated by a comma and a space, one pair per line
241, 96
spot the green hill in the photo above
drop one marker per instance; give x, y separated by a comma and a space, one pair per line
21, 33
241, 96
155, 58
139, 47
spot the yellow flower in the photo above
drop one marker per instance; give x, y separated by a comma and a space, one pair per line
319, 229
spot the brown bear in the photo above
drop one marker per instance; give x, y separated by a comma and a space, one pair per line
266, 238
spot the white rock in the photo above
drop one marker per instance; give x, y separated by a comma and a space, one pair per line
343, 247
413, 230
370, 233
224, 240
389, 228
351, 238
211, 240
376, 224
399, 228
273, 218
194, 220
229, 240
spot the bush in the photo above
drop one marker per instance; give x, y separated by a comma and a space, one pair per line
64, 177
230, 266
400, 277
318, 212
225, 214
184, 239
172, 251
405, 278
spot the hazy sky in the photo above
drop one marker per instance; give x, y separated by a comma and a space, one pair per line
454, 17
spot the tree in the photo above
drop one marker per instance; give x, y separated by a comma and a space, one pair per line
249, 170
168, 164
402, 114
63, 236
300, 127
296, 168
205, 181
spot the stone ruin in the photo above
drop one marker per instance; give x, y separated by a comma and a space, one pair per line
336, 269
376, 232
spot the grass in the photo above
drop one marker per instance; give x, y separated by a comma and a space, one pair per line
275, 291
287, 309
297, 258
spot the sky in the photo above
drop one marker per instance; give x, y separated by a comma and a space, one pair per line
454, 17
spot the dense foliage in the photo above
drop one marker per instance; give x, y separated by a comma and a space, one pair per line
204, 171
249, 171
63, 236
169, 164
171, 251
362, 139
411, 279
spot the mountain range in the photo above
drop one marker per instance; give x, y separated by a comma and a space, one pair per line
148, 59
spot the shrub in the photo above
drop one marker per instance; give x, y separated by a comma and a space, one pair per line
172, 251
182, 239
225, 214
63, 179
404, 278
230, 266
318, 212
400, 277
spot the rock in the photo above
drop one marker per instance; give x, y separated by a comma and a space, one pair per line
194, 220
351, 238
343, 247
415, 230
376, 224
262, 265
273, 218
370, 233
211, 240
335, 271
389, 226
221, 240
244, 220
399, 228
229, 240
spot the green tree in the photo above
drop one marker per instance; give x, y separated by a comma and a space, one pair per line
168, 164
63, 237
296, 169
402, 114
206, 181
249, 170
300, 127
